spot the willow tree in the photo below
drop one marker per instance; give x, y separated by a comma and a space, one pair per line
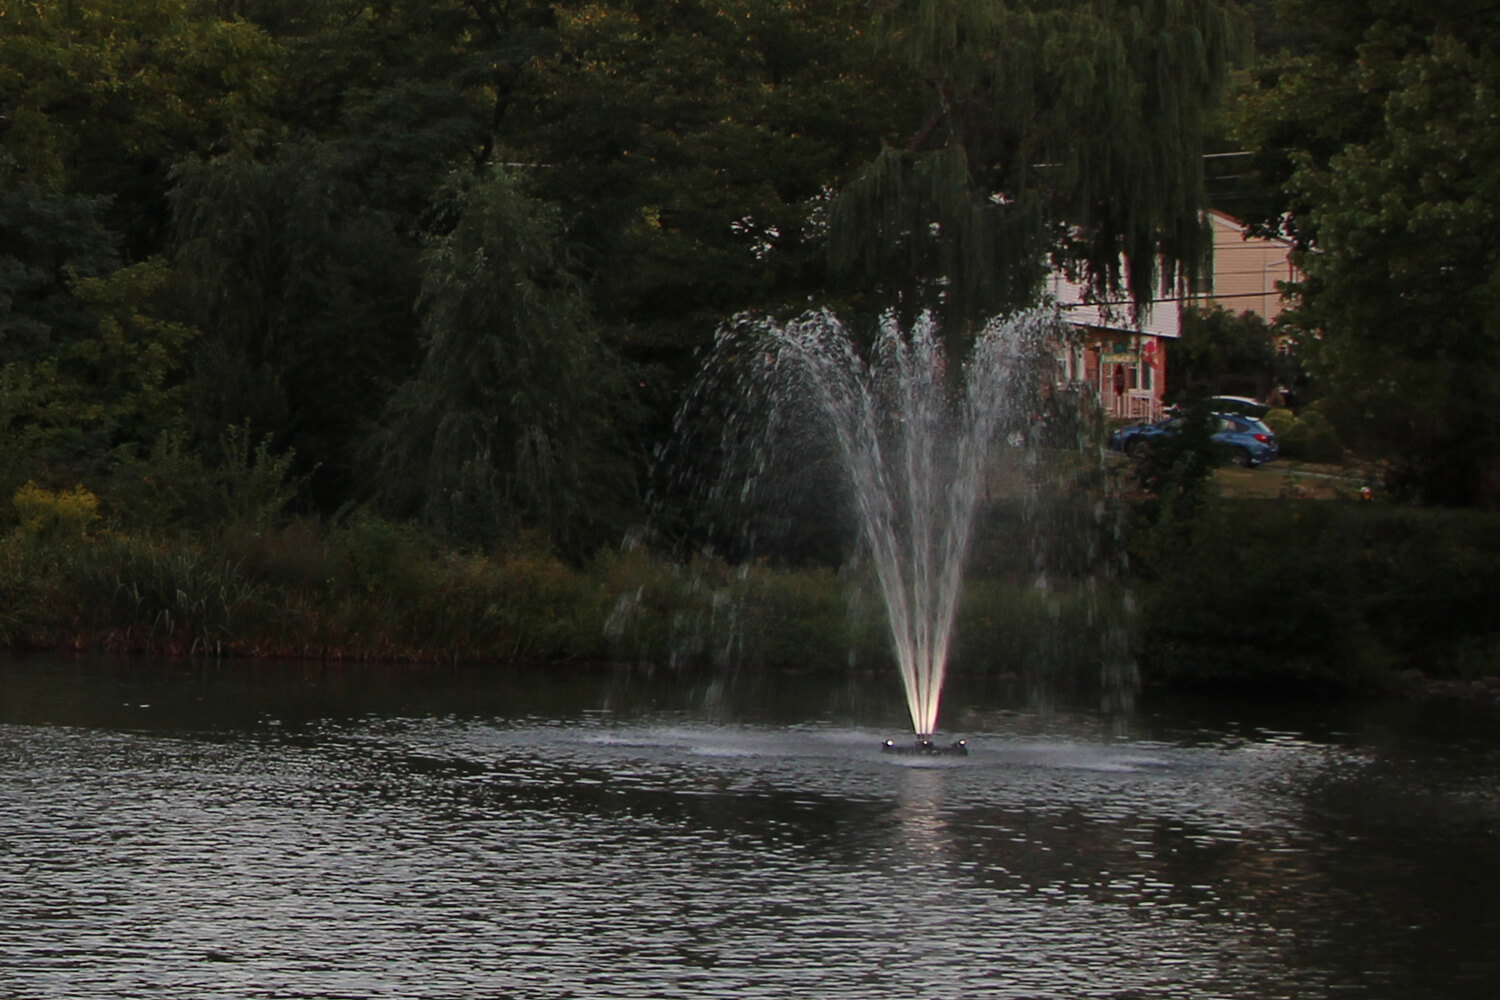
511, 423
1062, 133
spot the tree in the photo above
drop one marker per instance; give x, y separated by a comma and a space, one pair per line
509, 425
104, 395
1053, 128
302, 285
47, 240
284, 157
104, 96
1220, 353
1388, 132
692, 147
98, 99
338, 54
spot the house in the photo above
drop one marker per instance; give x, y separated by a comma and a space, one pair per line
1123, 358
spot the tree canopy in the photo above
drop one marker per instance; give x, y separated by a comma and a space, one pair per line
458, 256
1221, 353
1068, 132
509, 423
1378, 147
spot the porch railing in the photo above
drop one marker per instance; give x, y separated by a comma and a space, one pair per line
1141, 407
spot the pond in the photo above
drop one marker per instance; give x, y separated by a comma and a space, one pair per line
254, 830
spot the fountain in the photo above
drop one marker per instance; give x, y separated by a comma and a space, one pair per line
914, 441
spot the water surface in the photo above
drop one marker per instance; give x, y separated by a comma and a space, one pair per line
254, 831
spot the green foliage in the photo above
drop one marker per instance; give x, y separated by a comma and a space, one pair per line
1285, 596
302, 287
1379, 140
1060, 126
288, 163
543, 608
47, 241
239, 483
105, 95
509, 424
275, 173
912, 226
1220, 353
55, 513
707, 612
1280, 420
1224, 609
371, 588
692, 149
1337, 595
1308, 436
136, 358
106, 389
148, 596
31, 604
1068, 635
799, 617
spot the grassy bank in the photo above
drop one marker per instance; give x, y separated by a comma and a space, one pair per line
368, 589
375, 590
1276, 594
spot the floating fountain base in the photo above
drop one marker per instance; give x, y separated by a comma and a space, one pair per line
924, 746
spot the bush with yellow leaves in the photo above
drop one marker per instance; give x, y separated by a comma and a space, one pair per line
49, 514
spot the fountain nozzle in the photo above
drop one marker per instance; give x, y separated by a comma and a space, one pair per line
926, 745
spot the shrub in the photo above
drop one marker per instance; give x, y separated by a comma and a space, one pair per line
1279, 420
1311, 439
63, 514
241, 483
1308, 437
1338, 595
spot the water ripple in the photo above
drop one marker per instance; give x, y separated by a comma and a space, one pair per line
444, 857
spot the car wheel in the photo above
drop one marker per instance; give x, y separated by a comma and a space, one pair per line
1241, 458
1138, 448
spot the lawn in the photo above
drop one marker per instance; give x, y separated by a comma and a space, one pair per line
1295, 480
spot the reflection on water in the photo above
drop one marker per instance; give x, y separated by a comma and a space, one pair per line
294, 832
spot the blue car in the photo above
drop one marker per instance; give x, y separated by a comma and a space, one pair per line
1245, 440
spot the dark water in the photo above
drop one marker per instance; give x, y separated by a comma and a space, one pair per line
255, 831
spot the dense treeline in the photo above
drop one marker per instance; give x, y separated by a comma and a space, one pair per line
455, 258
440, 269
452, 256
